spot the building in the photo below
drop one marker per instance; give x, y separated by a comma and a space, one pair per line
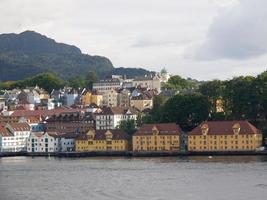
91, 97
14, 136
224, 136
157, 137
110, 98
70, 122
142, 101
124, 97
149, 82
102, 140
50, 142
110, 118
70, 96
104, 86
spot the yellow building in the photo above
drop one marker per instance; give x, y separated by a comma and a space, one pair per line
224, 136
102, 140
157, 137
89, 97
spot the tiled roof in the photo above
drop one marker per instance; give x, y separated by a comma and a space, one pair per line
28, 113
4, 132
20, 126
101, 135
163, 128
225, 128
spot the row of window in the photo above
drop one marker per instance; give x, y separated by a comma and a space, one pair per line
220, 148
221, 136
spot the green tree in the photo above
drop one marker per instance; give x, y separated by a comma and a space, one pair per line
213, 90
129, 126
77, 82
240, 96
186, 110
176, 82
91, 78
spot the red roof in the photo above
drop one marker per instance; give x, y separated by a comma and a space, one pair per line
4, 132
20, 126
163, 128
31, 113
225, 128
101, 135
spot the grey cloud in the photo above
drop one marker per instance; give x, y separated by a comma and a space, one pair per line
239, 33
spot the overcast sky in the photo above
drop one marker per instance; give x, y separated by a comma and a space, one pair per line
202, 39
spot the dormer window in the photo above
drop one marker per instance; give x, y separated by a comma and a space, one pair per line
108, 135
155, 131
236, 128
204, 129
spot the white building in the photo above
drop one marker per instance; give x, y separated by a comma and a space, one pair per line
50, 142
14, 137
148, 82
110, 118
104, 86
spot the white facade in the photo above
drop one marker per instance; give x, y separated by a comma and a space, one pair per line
112, 121
150, 83
39, 142
49, 142
70, 98
15, 139
104, 86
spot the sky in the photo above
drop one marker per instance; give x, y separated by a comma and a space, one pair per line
201, 39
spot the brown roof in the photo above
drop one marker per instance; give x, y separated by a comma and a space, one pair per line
101, 135
163, 128
20, 126
4, 132
225, 128
30, 113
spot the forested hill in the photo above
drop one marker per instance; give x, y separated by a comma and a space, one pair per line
28, 53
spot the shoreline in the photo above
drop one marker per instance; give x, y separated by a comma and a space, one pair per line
132, 154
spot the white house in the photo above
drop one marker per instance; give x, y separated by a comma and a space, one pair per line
70, 96
50, 142
14, 136
110, 118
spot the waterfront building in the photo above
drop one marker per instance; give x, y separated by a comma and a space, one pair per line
40, 142
70, 122
14, 136
102, 140
157, 137
224, 136
110, 118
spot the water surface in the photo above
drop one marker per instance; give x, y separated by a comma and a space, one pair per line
188, 178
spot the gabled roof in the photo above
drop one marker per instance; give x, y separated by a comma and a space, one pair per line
101, 135
4, 132
225, 128
19, 126
163, 129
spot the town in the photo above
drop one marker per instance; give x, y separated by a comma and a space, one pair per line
109, 118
